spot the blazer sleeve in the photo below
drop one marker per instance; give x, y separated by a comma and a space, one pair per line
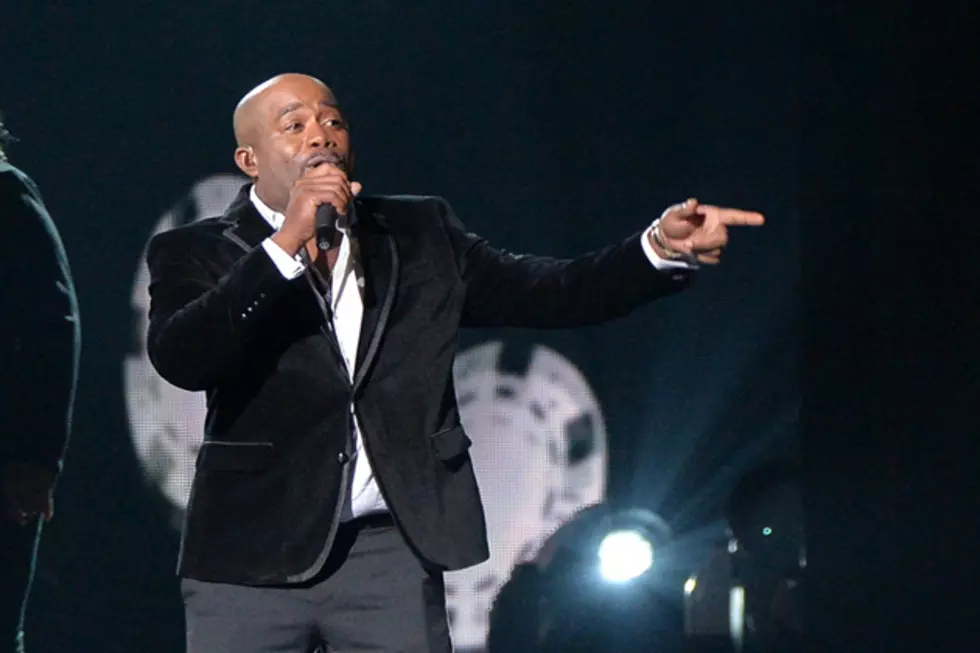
512, 290
200, 324
40, 348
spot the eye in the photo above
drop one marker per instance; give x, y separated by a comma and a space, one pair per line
336, 123
294, 126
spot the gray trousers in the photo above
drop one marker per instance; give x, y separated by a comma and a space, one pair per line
372, 595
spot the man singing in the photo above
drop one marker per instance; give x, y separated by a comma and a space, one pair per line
334, 486
39, 350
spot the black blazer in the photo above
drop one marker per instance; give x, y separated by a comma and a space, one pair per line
40, 336
275, 464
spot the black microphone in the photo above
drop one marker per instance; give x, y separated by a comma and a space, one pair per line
326, 225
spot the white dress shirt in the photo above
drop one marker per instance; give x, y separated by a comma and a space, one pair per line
348, 311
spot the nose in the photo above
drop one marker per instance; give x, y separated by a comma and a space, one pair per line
321, 137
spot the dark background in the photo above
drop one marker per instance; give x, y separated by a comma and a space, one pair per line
888, 178
555, 127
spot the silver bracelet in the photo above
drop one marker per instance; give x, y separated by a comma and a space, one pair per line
658, 237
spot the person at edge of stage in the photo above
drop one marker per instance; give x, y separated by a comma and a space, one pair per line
40, 340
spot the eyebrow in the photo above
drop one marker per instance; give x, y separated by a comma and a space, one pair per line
289, 108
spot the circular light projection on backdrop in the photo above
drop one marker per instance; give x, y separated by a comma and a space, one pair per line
539, 452
167, 423
539, 439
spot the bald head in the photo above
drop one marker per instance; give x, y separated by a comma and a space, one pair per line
250, 107
284, 126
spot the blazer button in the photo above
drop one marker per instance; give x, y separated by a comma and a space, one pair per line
342, 458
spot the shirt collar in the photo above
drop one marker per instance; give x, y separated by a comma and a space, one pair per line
274, 218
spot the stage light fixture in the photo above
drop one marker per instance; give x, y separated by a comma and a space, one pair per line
625, 555
747, 596
606, 580
765, 514
613, 546
768, 558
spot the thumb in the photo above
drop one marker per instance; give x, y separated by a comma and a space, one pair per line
355, 187
685, 209
678, 223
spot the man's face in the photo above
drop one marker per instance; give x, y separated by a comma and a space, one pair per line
293, 126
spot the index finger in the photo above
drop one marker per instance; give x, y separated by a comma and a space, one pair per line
734, 217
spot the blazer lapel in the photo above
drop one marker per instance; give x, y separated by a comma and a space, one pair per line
379, 260
245, 227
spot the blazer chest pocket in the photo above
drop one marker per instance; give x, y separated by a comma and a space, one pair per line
234, 456
450, 444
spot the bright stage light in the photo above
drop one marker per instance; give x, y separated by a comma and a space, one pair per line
625, 555
690, 585
609, 579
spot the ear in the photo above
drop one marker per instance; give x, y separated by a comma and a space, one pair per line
245, 160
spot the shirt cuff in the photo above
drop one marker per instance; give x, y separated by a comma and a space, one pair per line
290, 267
657, 260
